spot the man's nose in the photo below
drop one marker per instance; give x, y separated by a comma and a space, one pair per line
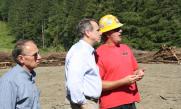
39, 56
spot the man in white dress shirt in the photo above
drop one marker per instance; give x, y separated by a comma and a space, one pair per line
83, 82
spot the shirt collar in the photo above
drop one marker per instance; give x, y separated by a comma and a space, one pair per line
90, 48
29, 75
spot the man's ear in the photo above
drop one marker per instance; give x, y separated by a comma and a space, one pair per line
20, 58
87, 33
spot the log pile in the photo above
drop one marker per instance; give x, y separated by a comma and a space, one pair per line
4, 65
5, 60
51, 59
164, 55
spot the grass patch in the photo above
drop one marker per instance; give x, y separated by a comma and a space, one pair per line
48, 50
6, 39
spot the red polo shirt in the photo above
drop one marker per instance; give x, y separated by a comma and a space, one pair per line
116, 63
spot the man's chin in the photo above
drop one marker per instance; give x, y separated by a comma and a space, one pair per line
99, 41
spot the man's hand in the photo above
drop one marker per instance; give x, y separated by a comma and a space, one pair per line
139, 73
130, 79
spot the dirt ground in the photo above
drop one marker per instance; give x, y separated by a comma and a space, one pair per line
160, 88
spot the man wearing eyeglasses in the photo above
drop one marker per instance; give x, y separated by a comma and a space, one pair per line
118, 68
17, 86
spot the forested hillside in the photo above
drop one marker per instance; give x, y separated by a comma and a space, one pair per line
51, 23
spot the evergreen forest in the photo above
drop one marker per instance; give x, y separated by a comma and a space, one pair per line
148, 24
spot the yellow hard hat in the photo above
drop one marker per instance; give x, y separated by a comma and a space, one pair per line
109, 22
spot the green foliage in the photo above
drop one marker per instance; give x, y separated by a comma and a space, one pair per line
59, 48
4, 8
52, 24
6, 40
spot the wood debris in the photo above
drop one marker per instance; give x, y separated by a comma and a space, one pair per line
4, 65
164, 55
52, 59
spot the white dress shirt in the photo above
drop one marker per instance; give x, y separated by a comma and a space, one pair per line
82, 73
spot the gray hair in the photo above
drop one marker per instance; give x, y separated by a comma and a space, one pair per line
19, 48
85, 24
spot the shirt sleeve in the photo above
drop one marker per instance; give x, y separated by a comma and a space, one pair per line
75, 70
7, 95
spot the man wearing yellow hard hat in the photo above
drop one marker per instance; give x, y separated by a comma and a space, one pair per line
118, 68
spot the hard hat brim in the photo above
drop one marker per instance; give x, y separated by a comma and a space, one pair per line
111, 28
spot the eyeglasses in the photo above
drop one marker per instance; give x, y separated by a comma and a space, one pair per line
117, 30
34, 55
